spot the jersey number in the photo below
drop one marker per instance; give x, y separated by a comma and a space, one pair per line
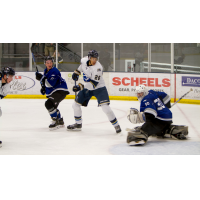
97, 77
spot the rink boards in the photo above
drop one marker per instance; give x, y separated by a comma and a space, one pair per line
121, 86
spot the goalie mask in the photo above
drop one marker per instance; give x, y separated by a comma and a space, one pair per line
141, 92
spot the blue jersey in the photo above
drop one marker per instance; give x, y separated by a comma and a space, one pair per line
162, 95
152, 104
53, 81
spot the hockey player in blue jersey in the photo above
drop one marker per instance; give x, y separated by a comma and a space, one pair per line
156, 116
94, 86
55, 88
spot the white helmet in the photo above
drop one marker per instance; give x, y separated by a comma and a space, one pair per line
139, 89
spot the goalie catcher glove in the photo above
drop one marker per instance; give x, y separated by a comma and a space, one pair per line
135, 117
38, 76
78, 87
76, 74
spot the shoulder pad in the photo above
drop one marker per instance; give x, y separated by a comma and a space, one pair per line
84, 60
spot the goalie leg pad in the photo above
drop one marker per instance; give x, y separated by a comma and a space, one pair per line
177, 132
136, 137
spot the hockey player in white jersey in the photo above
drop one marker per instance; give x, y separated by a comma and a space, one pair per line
6, 76
156, 116
94, 86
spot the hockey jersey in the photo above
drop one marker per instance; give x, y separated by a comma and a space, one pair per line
53, 81
4, 88
92, 75
152, 104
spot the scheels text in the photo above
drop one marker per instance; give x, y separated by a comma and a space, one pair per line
150, 82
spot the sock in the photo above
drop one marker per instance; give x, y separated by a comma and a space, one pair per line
110, 114
77, 113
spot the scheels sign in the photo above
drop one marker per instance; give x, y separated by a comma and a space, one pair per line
150, 82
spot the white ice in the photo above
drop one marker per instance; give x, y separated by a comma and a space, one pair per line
24, 130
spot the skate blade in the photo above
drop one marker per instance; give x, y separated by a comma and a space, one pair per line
53, 129
61, 126
134, 143
75, 129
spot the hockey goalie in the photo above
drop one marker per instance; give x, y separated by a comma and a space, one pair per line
155, 116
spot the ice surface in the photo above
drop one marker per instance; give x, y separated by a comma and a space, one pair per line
24, 130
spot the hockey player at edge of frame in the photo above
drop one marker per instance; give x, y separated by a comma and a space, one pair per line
55, 88
94, 86
6, 76
156, 116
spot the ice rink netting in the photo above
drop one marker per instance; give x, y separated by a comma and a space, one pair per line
24, 130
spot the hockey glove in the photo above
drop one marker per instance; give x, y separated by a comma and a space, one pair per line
135, 117
38, 76
78, 87
76, 74
43, 92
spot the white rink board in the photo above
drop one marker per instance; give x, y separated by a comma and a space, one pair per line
193, 82
123, 84
119, 84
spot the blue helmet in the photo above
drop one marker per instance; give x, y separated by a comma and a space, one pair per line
93, 53
8, 71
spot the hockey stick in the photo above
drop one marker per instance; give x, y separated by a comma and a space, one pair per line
75, 85
182, 97
34, 62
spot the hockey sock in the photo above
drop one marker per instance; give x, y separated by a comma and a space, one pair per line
110, 114
77, 113
53, 113
114, 122
58, 114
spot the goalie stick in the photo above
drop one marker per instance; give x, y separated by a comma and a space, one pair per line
182, 97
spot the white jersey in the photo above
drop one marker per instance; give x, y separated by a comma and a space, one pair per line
4, 89
94, 73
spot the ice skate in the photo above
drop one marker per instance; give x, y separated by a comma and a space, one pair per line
0, 144
54, 125
74, 127
118, 129
61, 123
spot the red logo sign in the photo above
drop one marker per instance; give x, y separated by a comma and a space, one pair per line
150, 82
18, 77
